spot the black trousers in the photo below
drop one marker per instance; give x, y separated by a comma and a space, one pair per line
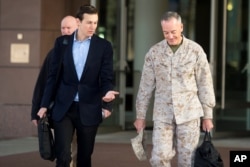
64, 131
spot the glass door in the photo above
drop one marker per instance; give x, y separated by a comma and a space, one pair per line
112, 26
233, 69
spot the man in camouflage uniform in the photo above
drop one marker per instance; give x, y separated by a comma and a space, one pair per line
177, 71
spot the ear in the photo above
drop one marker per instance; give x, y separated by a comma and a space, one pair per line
181, 27
78, 21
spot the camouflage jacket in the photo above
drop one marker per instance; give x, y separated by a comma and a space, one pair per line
181, 83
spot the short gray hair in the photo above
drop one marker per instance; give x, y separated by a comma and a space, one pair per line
168, 15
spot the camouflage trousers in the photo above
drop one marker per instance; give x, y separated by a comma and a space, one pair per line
169, 139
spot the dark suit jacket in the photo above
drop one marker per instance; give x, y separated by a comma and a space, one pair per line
96, 80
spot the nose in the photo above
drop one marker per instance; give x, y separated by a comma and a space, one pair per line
170, 36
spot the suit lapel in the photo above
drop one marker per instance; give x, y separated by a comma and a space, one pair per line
69, 56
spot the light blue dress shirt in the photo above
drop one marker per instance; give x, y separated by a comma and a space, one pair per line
80, 52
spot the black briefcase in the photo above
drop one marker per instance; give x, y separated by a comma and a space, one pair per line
46, 140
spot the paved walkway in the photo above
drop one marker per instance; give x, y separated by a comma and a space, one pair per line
30, 144
112, 149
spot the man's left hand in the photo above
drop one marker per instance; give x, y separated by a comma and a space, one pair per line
207, 124
110, 95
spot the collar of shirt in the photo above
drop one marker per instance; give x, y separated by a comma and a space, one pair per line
75, 38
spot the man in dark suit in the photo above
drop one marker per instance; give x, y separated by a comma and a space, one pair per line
68, 26
86, 80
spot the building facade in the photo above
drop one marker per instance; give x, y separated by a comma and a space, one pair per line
28, 29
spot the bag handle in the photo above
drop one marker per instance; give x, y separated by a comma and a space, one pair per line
207, 136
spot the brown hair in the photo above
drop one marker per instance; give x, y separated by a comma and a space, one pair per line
89, 9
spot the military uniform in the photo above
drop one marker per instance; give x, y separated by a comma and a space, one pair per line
183, 92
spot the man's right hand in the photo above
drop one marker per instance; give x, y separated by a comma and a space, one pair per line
42, 112
139, 124
34, 121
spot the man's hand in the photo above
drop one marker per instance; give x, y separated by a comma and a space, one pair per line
207, 125
42, 112
105, 113
139, 124
34, 121
110, 95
